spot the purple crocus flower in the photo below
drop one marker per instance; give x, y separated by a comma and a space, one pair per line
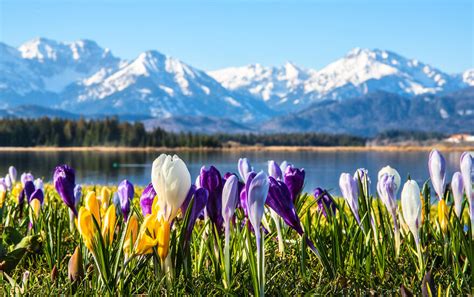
244, 168
37, 194
211, 180
201, 197
26, 176
125, 192
13, 173
437, 167
29, 189
350, 192
64, 181
184, 206
230, 197
77, 195
244, 191
279, 199
294, 179
274, 170
325, 201
146, 200
457, 186
8, 181
257, 191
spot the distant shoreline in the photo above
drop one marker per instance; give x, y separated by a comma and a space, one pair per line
239, 149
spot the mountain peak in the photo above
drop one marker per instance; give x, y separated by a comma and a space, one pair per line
39, 48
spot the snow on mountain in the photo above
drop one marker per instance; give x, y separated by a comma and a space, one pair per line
272, 84
82, 76
62, 63
360, 72
468, 77
162, 86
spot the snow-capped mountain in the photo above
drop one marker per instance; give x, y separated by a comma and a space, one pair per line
360, 72
277, 86
81, 77
161, 86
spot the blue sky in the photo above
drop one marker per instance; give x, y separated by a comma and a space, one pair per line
216, 34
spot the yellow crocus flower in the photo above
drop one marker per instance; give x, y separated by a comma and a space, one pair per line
131, 235
442, 215
93, 206
108, 226
86, 226
16, 191
158, 235
35, 206
3, 194
105, 198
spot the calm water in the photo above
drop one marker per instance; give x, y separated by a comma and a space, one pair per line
322, 168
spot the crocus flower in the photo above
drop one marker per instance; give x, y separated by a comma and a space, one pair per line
146, 200
75, 268
274, 170
108, 224
230, 197
325, 201
92, 204
243, 193
77, 195
279, 199
283, 166
294, 179
13, 174
437, 167
387, 189
411, 207
244, 168
257, 194
28, 189
211, 180
35, 205
125, 191
26, 176
3, 193
8, 181
257, 191
457, 186
466, 171
39, 184
130, 235
171, 180
105, 194
37, 194
201, 197
65, 180
363, 174
184, 206
86, 227
391, 171
350, 192
443, 215
35, 201
153, 233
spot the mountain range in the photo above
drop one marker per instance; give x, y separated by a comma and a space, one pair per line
353, 94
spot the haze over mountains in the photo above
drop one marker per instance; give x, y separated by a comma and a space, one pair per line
354, 94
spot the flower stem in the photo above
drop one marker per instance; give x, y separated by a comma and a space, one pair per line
227, 255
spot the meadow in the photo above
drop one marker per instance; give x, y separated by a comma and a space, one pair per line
243, 233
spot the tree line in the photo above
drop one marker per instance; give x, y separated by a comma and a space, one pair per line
112, 132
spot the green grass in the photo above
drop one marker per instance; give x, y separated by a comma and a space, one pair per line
352, 262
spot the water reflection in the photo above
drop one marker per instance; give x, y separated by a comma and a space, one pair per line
322, 168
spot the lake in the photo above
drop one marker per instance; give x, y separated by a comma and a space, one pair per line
323, 168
